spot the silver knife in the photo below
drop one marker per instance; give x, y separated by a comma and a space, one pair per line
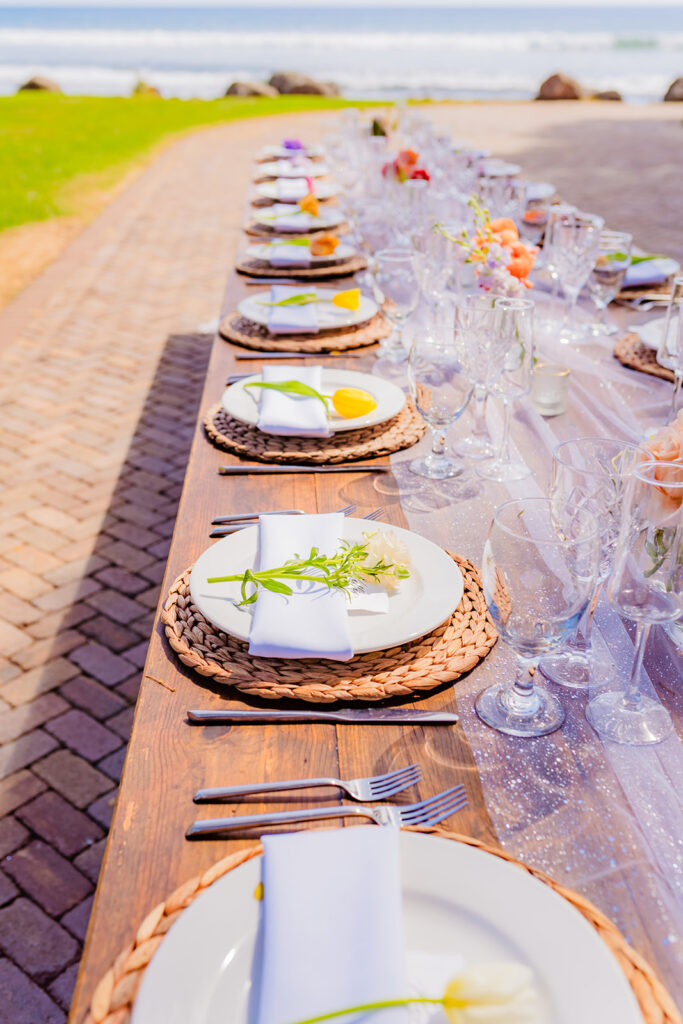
358, 716
303, 355
343, 468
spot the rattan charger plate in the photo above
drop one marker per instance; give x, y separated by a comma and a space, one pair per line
258, 230
442, 656
631, 352
244, 332
319, 272
115, 994
403, 431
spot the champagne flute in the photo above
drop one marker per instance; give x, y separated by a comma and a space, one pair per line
510, 365
441, 388
397, 292
646, 586
475, 326
591, 473
538, 573
607, 276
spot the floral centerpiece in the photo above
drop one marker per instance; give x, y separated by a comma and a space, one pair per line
666, 446
502, 263
405, 167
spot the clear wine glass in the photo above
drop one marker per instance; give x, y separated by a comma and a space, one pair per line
536, 209
607, 276
510, 364
538, 573
397, 290
434, 262
440, 386
646, 586
557, 212
475, 326
590, 473
575, 243
670, 351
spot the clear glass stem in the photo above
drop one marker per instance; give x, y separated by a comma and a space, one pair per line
588, 619
632, 695
523, 698
504, 450
678, 379
438, 453
570, 310
480, 396
554, 291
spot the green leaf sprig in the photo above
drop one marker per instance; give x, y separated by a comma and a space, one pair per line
303, 299
304, 242
292, 387
338, 571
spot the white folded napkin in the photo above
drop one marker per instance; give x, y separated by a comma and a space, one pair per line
291, 190
292, 319
289, 256
292, 415
313, 621
332, 927
280, 217
297, 166
648, 272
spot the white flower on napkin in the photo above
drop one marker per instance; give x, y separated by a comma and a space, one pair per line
497, 993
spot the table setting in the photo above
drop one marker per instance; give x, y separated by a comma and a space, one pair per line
486, 607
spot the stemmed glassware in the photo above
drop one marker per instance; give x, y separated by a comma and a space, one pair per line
561, 211
646, 586
590, 473
435, 264
510, 365
538, 572
397, 290
440, 386
607, 276
575, 243
475, 325
536, 209
670, 351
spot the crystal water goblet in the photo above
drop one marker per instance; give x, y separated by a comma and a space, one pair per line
607, 276
475, 326
397, 291
646, 586
538, 574
590, 473
510, 364
558, 212
440, 386
536, 209
575, 243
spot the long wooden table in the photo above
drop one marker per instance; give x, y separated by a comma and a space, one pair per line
147, 854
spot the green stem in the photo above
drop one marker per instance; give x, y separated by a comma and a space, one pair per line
363, 1008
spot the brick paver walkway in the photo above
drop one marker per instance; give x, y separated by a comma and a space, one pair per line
100, 379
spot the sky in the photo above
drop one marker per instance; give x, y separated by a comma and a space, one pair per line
338, 3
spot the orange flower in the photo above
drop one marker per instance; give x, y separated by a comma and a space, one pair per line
504, 224
522, 262
309, 204
324, 245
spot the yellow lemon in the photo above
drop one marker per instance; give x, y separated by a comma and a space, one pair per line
352, 402
348, 300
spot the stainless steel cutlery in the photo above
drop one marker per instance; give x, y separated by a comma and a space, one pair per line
301, 355
275, 469
227, 526
375, 787
356, 716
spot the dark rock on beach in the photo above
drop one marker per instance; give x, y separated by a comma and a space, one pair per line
674, 93
39, 84
608, 94
289, 82
560, 87
251, 89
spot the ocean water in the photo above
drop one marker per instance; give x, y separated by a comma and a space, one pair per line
467, 53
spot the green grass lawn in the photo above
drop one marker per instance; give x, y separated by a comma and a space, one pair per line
53, 148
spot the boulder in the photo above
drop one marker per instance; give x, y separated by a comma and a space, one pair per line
674, 94
41, 84
288, 82
608, 94
251, 89
560, 87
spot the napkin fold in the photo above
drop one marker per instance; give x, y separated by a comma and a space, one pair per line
332, 926
292, 319
291, 190
292, 415
289, 256
313, 621
280, 217
647, 272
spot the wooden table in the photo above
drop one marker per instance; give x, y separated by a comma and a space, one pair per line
147, 854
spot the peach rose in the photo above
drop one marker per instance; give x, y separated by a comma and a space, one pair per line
667, 443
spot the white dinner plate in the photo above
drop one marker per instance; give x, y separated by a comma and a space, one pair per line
242, 403
456, 900
323, 190
651, 333
422, 602
330, 317
271, 217
277, 169
267, 249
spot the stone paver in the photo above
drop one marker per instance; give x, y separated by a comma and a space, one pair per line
101, 373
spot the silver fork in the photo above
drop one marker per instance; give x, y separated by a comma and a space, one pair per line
375, 787
232, 527
425, 812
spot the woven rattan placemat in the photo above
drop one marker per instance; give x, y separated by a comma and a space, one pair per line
258, 230
631, 351
261, 268
115, 994
403, 431
248, 334
442, 656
